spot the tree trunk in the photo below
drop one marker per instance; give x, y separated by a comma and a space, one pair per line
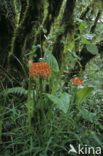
7, 24
28, 31
68, 24
21, 38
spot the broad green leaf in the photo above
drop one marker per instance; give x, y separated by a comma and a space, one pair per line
92, 49
82, 26
61, 102
89, 116
83, 93
84, 40
79, 20
88, 36
51, 60
44, 30
71, 46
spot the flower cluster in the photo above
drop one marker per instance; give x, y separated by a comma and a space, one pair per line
39, 69
77, 81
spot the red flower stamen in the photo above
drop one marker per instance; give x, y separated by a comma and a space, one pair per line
40, 69
77, 81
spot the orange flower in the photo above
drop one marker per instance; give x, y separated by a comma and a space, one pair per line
77, 81
39, 69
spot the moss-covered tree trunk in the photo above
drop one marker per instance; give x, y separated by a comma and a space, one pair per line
56, 17
67, 23
30, 15
7, 25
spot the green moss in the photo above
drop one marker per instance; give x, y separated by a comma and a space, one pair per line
55, 28
46, 5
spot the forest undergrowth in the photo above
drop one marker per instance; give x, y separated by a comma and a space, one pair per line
48, 116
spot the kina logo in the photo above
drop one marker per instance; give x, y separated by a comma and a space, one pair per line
85, 150
72, 149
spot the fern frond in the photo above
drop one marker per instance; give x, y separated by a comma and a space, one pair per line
15, 90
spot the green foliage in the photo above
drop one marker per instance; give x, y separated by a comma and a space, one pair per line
15, 90
93, 49
82, 26
88, 116
62, 102
88, 36
84, 40
94, 73
54, 113
52, 62
83, 93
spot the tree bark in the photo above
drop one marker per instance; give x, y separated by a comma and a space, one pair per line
29, 19
68, 23
7, 25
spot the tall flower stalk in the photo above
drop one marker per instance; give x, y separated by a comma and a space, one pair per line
29, 103
39, 72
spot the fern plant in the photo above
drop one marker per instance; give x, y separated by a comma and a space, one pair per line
14, 90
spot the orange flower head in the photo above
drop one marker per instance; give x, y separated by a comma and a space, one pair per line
40, 69
77, 81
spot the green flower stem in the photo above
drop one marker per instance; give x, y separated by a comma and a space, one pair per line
36, 99
28, 104
41, 97
0, 130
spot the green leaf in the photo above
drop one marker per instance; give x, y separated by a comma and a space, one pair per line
83, 93
93, 49
82, 26
88, 36
84, 40
44, 30
51, 60
15, 90
96, 138
89, 116
61, 102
